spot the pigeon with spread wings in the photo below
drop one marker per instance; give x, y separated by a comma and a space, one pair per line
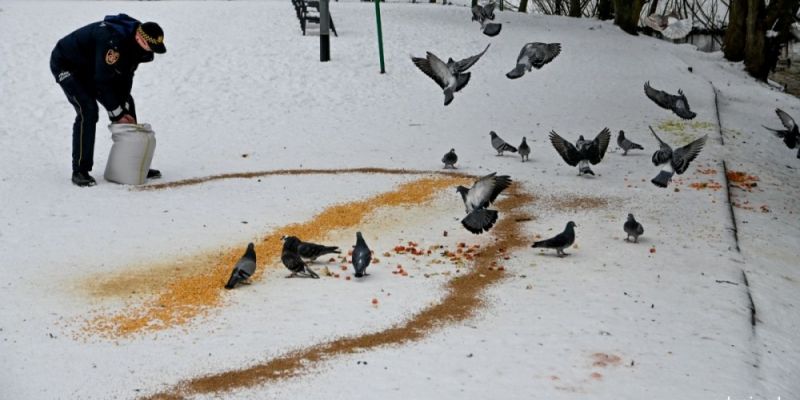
790, 135
678, 104
450, 76
583, 151
477, 199
534, 55
675, 161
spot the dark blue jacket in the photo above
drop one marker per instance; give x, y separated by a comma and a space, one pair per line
103, 56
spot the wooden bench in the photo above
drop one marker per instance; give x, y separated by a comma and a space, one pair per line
305, 16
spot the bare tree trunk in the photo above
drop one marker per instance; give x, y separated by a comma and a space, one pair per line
575, 8
605, 9
736, 33
626, 14
474, 3
523, 6
558, 7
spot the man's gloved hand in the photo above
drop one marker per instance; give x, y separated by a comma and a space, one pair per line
125, 119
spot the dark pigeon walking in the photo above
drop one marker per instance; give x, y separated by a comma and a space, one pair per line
524, 149
633, 228
450, 159
676, 161
311, 251
626, 144
678, 104
559, 242
244, 268
790, 135
534, 55
583, 152
477, 199
450, 76
291, 259
500, 145
362, 256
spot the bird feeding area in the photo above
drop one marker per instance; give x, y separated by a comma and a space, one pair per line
190, 287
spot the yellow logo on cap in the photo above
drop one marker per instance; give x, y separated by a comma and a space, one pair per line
112, 56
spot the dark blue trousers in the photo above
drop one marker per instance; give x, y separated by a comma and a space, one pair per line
83, 98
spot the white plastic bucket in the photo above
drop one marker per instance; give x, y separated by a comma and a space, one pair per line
131, 153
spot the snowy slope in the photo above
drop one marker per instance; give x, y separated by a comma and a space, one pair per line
239, 79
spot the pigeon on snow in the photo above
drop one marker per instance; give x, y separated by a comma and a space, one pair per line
450, 159
486, 13
678, 104
450, 76
500, 145
362, 256
583, 152
310, 251
626, 144
534, 55
559, 242
790, 135
670, 25
676, 161
290, 257
244, 268
633, 228
477, 199
524, 149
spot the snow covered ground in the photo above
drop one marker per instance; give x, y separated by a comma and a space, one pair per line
668, 317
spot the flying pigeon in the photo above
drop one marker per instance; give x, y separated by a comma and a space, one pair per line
560, 241
244, 268
524, 149
450, 159
676, 160
362, 256
583, 152
626, 144
670, 25
500, 145
452, 76
310, 251
678, 104
534, 55
484, 13
290, 257
790, 135
633, 228
477, 199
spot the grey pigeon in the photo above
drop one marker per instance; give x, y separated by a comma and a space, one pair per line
633, 228
524, 149
559, 242
311, 251
362, 256
626, 144
676, 161
450, 159
790, 135
291, 259
500, 145
485, 13
583, 152
477, 199
244, 268
534, 55
450, 76
678, 104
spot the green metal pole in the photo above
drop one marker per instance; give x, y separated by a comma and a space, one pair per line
380, 33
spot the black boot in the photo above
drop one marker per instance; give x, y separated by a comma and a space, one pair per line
153, 174
83, 179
